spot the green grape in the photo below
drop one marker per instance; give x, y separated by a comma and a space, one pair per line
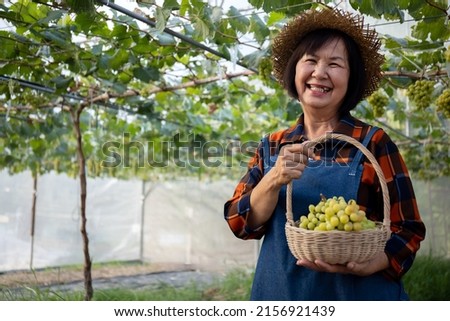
354, 204
329, 212
370, 224
329, 226
322, 226
336, 207
334, 221
348, 226
420, 93
344, 218
378, 101
354, 217
443, 103
319, 208
304, 225
349, 210
331, 202
447, 54
357, 226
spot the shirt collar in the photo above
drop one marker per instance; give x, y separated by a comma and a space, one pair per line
347, 125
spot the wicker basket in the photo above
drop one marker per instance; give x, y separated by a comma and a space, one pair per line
339, 247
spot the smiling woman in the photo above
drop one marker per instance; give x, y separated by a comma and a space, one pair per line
328, 60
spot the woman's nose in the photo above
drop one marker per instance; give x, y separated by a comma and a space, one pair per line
320, 71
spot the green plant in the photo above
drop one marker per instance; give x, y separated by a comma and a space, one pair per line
428, 279
234, 286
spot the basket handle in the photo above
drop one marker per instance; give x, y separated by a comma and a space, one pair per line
370, 157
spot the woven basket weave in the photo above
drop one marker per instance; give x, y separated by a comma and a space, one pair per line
339, 247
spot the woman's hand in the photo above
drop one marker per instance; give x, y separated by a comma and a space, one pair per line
291, 163
378, 263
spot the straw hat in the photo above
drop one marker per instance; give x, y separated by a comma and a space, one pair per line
352, 24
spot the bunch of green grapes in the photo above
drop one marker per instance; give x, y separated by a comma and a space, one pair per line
265, 69
443, 103
335, 214
378, 101
420, 93
80, 6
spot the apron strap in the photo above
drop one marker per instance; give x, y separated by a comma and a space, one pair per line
266, 152
359, 154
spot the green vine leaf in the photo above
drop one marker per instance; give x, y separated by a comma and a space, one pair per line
161, 15
146, 74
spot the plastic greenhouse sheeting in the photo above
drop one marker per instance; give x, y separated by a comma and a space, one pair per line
178, 221
113, 220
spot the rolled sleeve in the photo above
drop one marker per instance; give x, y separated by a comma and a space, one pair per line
237, 209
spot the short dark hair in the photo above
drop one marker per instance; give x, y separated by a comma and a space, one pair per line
312, 42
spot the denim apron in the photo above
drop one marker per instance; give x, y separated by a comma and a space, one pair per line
277, 277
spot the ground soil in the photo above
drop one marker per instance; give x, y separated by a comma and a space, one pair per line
64, 275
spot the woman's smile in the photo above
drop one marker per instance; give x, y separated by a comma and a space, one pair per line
318, 88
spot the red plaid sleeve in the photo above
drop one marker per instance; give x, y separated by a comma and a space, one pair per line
408, 229
238, 207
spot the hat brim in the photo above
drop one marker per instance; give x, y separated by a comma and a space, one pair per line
366, 39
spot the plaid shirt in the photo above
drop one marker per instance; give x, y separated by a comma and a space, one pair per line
407, 227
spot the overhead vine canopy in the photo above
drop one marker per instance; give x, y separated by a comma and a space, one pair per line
185, 85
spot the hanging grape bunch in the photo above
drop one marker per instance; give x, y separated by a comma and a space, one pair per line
265, 69
79, 6
443, 103
420, 93
378, 100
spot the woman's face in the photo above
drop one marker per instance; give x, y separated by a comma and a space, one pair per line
321, 78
